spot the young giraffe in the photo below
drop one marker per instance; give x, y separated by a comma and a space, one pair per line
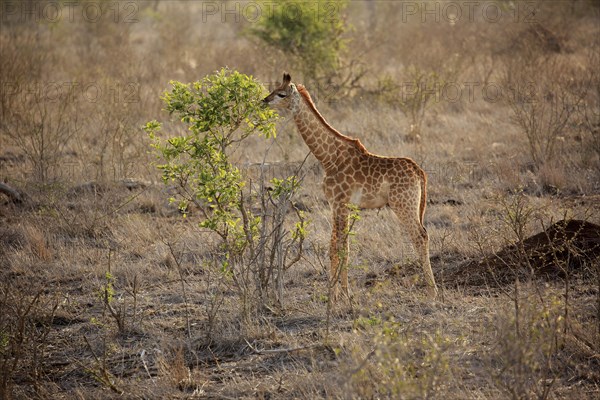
355, 176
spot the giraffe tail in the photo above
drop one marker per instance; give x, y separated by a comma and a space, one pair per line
423, 202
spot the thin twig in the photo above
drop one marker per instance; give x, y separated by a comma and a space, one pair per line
183, 291
105, 377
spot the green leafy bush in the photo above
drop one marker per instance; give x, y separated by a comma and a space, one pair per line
310, 32
220, 110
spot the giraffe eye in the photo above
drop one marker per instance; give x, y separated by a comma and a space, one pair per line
282, 95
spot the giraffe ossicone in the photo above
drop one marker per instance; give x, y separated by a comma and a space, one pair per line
354, 176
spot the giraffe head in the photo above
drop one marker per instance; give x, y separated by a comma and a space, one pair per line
285, 98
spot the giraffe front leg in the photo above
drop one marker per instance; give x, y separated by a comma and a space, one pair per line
340, 250
334, 265
344, 252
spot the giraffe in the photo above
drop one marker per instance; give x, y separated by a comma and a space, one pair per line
354, 176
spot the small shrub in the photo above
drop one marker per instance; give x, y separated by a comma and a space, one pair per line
311, 33
543, 103
417, 91
403, 364
25, 323
254, 249
527, 342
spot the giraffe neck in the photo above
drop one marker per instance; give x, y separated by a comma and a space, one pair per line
326, 143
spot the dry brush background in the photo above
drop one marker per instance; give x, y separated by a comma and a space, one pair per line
105, 291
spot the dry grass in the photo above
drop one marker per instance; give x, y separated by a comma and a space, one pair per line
176, 329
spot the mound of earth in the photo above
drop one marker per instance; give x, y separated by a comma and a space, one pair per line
567, 247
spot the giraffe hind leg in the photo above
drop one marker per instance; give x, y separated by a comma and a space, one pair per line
420, 242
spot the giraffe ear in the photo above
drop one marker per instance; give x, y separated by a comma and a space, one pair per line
286, 78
